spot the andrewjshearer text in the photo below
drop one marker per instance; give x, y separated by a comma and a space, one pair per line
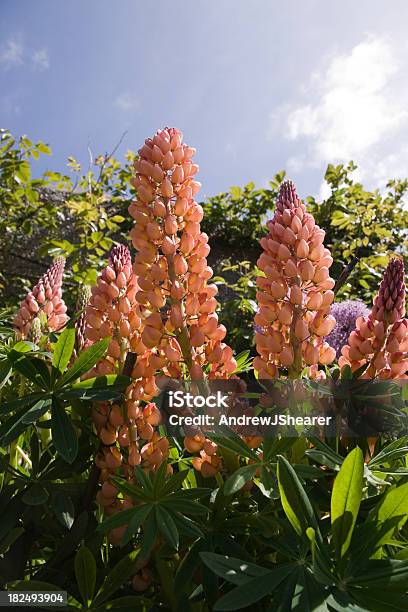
264, 420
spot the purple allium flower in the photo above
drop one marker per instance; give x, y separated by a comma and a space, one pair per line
346, 313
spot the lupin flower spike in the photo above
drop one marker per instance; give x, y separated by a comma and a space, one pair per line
294, 293
113, 311
181, 332
380, 339
43, 302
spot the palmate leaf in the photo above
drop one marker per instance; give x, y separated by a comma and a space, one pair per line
346, 499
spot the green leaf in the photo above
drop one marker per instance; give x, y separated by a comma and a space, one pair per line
133, 491
382, 574
121, 518
167, 526
149, 536
85, 573
120, 574
63, 433
237, 480
138, 517
234, 570
86, 360
5, 371
393, 504
32, 368
36, 495
295, 502
188, 565
185, 506
186, 526
174, 482
252, 591
35, 412
63, 509
346, 499
43, 148
12, 428
6, 407
63, 349
234, 443
380, 600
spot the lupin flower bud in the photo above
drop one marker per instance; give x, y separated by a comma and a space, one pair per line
294, 293
43, 302
380, 339
84, 295
35, 332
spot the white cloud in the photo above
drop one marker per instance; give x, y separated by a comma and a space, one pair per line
12, 52
10, 103
41, 59
127, 102
355, 109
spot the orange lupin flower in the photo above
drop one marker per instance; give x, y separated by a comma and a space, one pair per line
294, 292
380, 339
43, 302
171, 261
181, 333
113, 311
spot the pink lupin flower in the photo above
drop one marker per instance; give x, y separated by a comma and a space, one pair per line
294, 292
380, 340
44, 302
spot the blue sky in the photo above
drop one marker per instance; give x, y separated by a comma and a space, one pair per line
255, 85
